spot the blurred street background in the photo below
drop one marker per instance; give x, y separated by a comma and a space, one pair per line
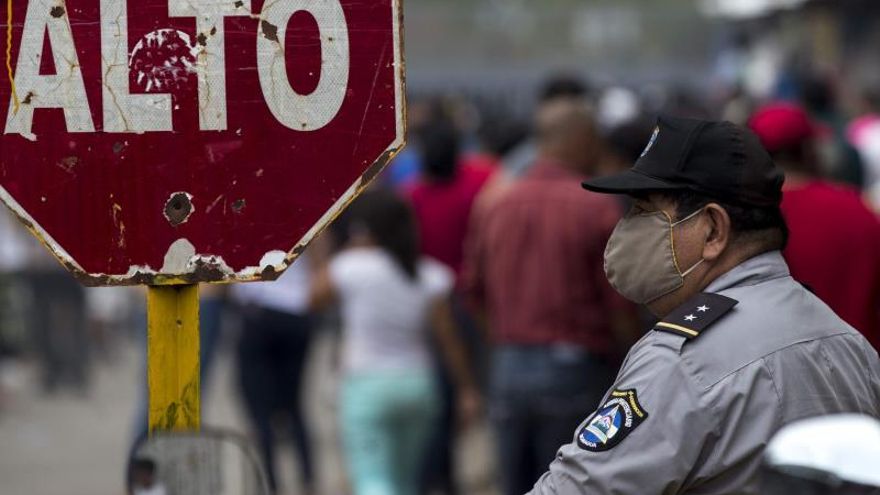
290, 364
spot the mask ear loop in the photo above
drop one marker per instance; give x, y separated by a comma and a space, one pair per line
689, 270
672, 239
672, 242
685, 219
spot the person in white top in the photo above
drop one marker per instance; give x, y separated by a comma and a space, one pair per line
392, 301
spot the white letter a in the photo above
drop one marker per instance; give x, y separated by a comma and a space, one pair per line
64, 89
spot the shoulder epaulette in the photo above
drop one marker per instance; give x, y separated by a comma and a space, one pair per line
696, 315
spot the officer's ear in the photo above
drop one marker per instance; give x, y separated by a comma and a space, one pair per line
718, 234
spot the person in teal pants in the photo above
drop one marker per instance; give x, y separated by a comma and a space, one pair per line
392, 302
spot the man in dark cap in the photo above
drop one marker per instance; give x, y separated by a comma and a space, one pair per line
741, 348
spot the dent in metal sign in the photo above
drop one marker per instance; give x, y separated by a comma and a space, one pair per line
172, 141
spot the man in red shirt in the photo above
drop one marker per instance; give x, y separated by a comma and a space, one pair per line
834, 247
534, 266
443, 198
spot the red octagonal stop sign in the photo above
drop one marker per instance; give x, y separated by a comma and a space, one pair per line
168, 141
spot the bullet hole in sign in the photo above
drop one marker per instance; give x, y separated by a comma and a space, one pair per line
178, 208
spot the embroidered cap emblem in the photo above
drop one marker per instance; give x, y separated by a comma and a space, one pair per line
651, 141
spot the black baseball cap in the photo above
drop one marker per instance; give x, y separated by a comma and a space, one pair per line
718, 159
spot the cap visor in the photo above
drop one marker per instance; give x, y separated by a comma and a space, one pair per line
627, 182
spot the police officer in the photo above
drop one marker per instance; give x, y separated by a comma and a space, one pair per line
741, 348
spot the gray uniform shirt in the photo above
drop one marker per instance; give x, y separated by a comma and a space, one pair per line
694, 415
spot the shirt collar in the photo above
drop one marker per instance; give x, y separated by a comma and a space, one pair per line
753, 271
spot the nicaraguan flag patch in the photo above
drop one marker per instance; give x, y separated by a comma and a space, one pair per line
616, 419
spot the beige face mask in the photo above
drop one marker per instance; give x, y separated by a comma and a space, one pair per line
640, 258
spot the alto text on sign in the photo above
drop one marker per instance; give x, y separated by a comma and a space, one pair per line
172, 141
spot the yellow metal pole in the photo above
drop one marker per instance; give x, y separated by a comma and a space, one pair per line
173, 357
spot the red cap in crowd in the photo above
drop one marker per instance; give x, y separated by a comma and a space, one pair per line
783, 126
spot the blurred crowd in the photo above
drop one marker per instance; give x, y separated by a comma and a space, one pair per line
468, 283
499, 204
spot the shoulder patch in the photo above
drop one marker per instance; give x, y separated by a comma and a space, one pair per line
696, 315
617, 418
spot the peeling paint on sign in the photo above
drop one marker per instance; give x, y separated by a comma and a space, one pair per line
163, 59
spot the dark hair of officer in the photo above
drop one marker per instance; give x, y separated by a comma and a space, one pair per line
390, 224
762, 227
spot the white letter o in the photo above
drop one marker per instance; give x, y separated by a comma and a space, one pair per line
313, 111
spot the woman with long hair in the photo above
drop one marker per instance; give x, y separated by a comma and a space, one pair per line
392, 301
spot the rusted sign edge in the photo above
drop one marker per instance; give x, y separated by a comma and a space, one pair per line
379, 165
210, 268
45, 239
